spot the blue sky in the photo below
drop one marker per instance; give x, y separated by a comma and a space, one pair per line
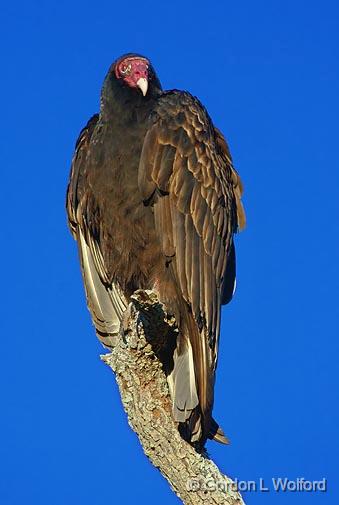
268, 74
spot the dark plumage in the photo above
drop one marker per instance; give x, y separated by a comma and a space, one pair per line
153, 201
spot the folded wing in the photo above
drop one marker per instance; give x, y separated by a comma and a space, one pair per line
186, 173
104, 299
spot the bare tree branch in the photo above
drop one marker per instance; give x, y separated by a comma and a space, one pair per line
145, 396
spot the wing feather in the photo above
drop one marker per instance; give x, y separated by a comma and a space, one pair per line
105, 300
186, 173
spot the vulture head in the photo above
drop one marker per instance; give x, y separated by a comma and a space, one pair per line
133, 71
131, 78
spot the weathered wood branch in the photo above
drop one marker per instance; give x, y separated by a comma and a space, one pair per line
145, 396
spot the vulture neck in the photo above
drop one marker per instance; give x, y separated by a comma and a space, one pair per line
122, 105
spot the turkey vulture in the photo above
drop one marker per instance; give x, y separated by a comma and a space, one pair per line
153, 202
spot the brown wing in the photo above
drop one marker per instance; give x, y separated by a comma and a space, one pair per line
104, 299
78, 169
228, 285
186, 173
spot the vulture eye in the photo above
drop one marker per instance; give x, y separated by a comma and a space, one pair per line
126, 69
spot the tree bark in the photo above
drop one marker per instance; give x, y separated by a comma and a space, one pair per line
147, 329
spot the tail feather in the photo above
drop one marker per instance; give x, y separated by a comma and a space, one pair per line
182, 383
216, 433
191, 385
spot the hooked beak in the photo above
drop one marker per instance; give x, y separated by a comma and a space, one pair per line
142, 84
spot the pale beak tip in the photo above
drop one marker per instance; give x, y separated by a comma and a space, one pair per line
143, 85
